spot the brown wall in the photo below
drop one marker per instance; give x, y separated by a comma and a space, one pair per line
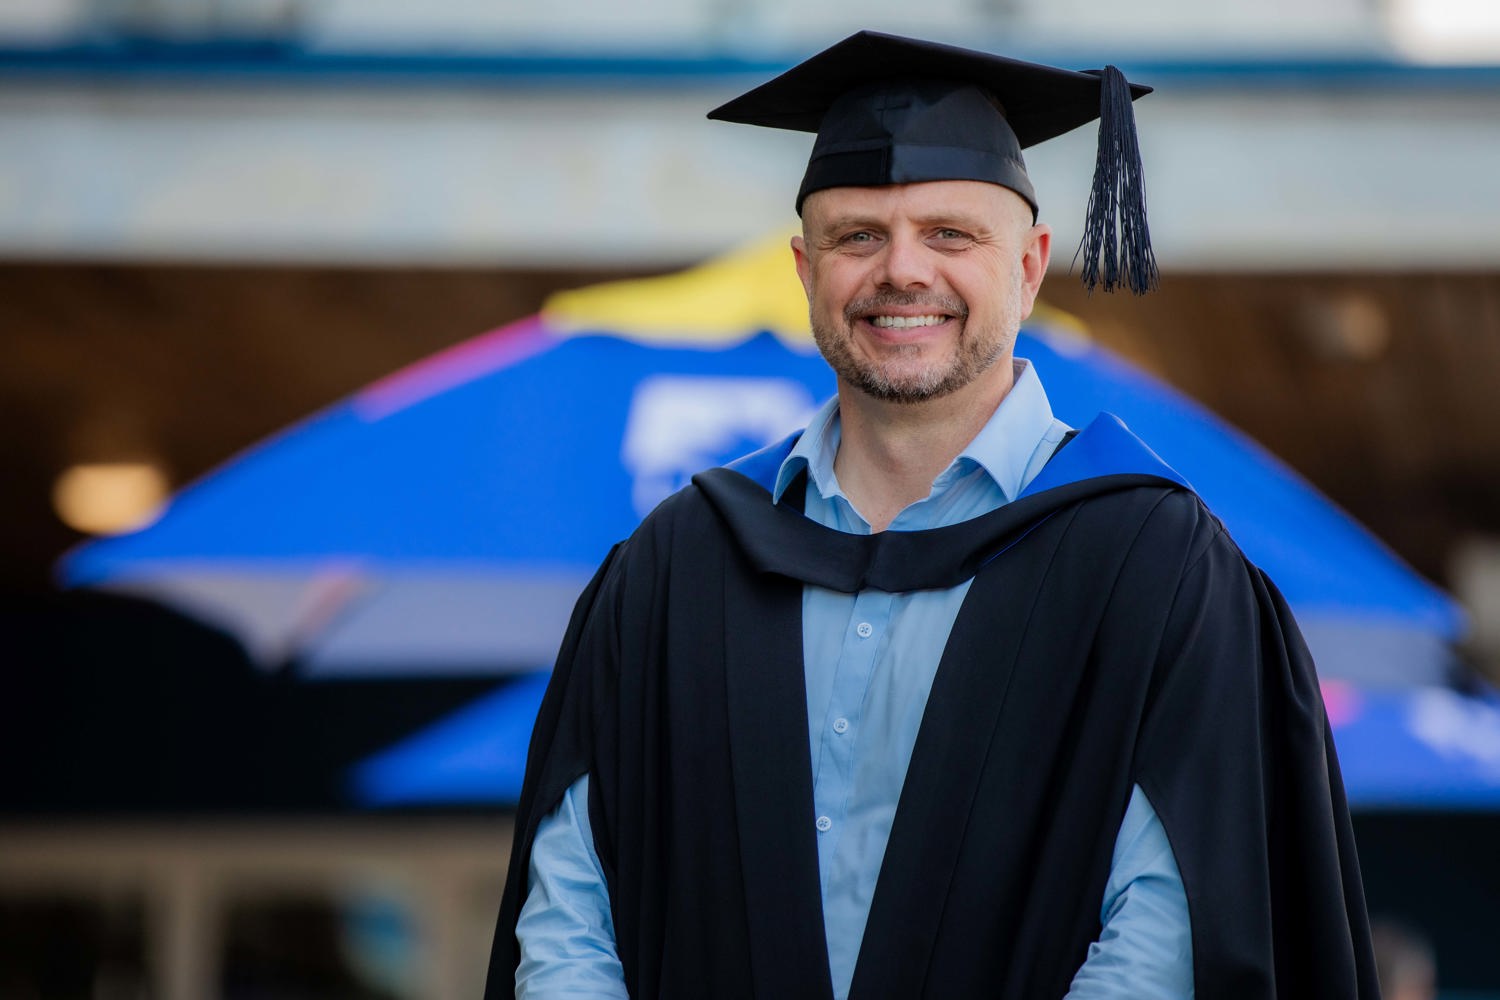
1383, 389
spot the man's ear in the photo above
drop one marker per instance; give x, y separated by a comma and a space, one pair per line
1035, 255
804, 266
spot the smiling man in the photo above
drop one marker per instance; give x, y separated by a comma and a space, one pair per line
939, 697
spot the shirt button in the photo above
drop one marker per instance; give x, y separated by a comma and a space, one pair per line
824, 824
841, 725
864, 630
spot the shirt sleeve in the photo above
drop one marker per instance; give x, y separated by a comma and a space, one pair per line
565, 929
1145, 947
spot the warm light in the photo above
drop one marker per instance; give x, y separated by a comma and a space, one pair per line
1447, 30
109, 498
1347, 327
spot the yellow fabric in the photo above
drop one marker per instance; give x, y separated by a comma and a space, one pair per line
717, 303
720, 301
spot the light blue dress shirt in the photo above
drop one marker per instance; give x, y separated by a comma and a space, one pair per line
869, 661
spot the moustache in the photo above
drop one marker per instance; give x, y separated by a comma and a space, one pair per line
948, 305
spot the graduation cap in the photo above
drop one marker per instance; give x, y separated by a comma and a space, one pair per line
893, 110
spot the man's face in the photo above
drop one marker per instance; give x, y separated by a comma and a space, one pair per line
917, 290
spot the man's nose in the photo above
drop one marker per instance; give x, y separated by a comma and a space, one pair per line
906, 263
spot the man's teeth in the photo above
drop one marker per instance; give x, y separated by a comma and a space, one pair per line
906, 322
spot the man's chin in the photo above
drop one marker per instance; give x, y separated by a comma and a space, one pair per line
904, 388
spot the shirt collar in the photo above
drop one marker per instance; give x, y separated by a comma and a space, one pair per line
1006, 447
814, 451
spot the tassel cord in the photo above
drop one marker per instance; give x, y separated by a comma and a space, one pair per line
1116, 245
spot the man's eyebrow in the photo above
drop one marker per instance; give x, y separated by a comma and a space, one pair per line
959, 220
956, 220
853, 222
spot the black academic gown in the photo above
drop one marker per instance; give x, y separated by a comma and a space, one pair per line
1114, 635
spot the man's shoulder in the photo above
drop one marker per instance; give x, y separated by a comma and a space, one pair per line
750, 480
1109, 466
1164, 525
764, 466
685, 519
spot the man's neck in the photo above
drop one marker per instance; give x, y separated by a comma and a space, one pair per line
889, 453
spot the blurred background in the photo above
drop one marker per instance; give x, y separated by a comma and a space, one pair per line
223, 220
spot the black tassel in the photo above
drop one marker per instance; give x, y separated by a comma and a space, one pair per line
1116, 245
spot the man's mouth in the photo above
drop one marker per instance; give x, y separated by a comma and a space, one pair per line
897, 311
906, 322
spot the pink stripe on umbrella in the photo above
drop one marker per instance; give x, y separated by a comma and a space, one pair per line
458, 364
1341, 701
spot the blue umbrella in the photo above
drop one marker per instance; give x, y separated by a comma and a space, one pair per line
475, 755
1422, 747
445, 519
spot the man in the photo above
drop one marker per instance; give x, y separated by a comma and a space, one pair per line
933, 700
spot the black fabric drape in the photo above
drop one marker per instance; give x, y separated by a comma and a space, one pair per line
1113, 636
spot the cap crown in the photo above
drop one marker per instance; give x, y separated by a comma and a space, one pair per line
904, 131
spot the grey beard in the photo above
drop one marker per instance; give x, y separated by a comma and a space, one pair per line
975, 354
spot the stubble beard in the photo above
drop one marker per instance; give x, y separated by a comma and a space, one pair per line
890, 380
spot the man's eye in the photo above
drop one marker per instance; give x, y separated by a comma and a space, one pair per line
859, 238
951, 234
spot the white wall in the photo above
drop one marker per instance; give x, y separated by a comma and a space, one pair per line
461, 24
1281, 179
1205, 25
1158, 25
1241, 174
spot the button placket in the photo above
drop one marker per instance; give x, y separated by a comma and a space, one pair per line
868, 615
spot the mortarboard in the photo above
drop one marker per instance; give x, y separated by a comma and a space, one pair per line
893, 110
